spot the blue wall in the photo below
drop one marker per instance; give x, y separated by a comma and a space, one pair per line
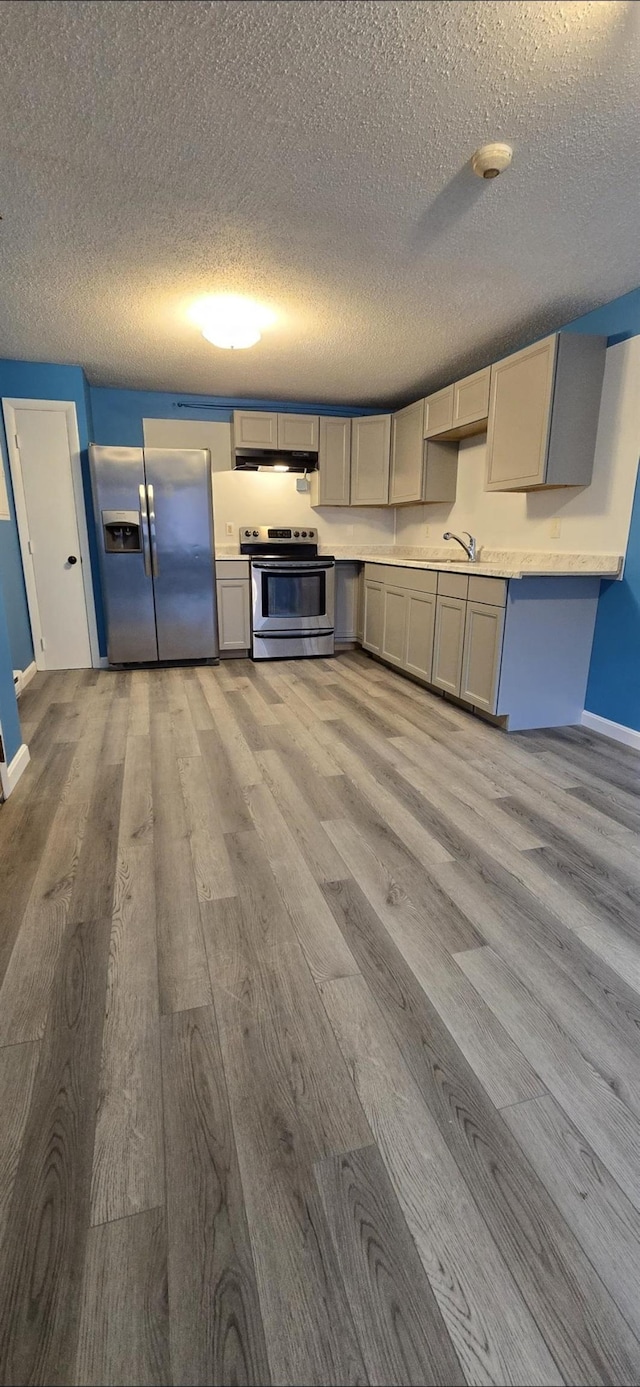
614, 677
12, 585
118, 414
613, 690
617, 320
8, 704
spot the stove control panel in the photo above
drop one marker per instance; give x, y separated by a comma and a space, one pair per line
271, 534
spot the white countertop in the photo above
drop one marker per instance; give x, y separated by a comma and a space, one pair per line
493, 563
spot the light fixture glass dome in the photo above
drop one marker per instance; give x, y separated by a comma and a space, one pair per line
231, 321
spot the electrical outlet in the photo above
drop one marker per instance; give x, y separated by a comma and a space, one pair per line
554, 529
228, 528
426, 531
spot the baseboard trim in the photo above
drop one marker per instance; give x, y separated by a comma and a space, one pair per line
10, 774
615, 730
28, 674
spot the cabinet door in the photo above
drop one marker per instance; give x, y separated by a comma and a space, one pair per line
234, 627
471, 398
372, 615
332, 481
298, 431
360, 608
482, 654
394, 624
421, 615
347, 600
254, 428
370, 439
448, 643
520, 402
407, 455
438, 411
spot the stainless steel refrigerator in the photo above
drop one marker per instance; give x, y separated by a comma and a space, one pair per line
154, 516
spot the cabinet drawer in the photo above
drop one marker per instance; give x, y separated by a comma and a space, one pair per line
438, 412
452, 584
232, 568
414, 579
491, 590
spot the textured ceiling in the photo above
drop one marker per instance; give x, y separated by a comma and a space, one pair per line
315, 156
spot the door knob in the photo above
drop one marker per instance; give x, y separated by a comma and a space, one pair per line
72, 559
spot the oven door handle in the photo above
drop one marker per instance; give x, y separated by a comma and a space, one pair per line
290, 572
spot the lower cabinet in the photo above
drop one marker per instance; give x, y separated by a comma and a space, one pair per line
444, 628
373, 615
484, 628
234, 625
347, 612
448, 645
407, 630
394, 624
516, 649
421, 615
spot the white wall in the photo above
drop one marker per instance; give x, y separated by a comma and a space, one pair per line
594, 519
253, 498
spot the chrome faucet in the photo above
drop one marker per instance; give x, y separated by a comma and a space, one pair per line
470, 549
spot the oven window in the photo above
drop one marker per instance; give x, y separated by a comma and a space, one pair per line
294, 594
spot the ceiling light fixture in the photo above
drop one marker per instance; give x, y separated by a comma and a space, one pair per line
231, 321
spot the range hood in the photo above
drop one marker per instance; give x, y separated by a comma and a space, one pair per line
274, 460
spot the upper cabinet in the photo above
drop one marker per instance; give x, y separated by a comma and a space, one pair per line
460, 409
370, 440
471, 403
258, 428
421, 471
438, 412
331, 484
254, 428
407, 450
298, 431
543, 414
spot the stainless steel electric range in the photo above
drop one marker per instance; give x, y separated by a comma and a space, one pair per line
292, 592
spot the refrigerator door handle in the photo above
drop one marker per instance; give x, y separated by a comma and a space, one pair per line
144, 526
155, 567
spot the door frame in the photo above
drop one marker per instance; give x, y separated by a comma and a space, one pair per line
68, 408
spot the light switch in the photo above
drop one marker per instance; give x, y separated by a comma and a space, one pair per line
554, 529
228, 528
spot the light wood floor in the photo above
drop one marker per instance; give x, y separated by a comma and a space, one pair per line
319, 1037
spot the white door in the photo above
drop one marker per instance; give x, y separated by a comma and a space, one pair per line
40, 435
